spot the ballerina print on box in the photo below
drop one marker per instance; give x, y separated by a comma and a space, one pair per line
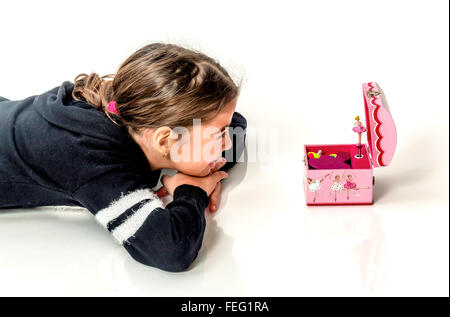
342, 174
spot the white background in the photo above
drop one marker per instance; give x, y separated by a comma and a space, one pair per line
303, 64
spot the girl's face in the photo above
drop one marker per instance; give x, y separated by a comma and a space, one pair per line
337, 177
349, 177
196, 152
309, 180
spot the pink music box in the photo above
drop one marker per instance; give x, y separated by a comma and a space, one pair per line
342, 174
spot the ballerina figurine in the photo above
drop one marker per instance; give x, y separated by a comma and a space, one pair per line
360, 129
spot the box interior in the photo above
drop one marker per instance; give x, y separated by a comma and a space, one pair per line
352, 149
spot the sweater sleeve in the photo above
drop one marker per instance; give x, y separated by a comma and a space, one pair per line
239, 125
167, 238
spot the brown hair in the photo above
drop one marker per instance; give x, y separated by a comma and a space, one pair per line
160, 85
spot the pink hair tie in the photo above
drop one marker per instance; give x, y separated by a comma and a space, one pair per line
112, 106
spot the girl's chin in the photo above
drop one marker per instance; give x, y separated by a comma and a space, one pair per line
201, 173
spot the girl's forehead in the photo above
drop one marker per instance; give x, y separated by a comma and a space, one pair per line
224, 117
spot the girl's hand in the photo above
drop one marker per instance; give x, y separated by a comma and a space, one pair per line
215, 195
163, 190
171, 182
207, 183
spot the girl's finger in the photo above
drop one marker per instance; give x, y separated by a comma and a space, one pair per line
215, 197
218, 176
219, 164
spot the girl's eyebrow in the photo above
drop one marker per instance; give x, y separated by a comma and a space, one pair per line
223, 129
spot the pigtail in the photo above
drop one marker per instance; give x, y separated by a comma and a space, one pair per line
93, 89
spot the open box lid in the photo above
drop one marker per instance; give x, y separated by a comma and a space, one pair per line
381, 132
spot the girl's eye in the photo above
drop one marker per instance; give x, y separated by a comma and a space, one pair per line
222, 134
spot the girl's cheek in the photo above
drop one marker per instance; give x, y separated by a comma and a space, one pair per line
217, 147
228, 142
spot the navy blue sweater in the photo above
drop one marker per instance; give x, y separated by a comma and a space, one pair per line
57, 151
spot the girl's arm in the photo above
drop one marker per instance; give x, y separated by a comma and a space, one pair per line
167, 238
239, 125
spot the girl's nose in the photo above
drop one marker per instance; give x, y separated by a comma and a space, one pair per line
228, 143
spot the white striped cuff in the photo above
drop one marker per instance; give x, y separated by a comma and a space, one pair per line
117, 207
134, 221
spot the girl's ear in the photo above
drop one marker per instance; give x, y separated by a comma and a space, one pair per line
161, 138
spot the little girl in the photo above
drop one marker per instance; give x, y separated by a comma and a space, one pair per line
101, 144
